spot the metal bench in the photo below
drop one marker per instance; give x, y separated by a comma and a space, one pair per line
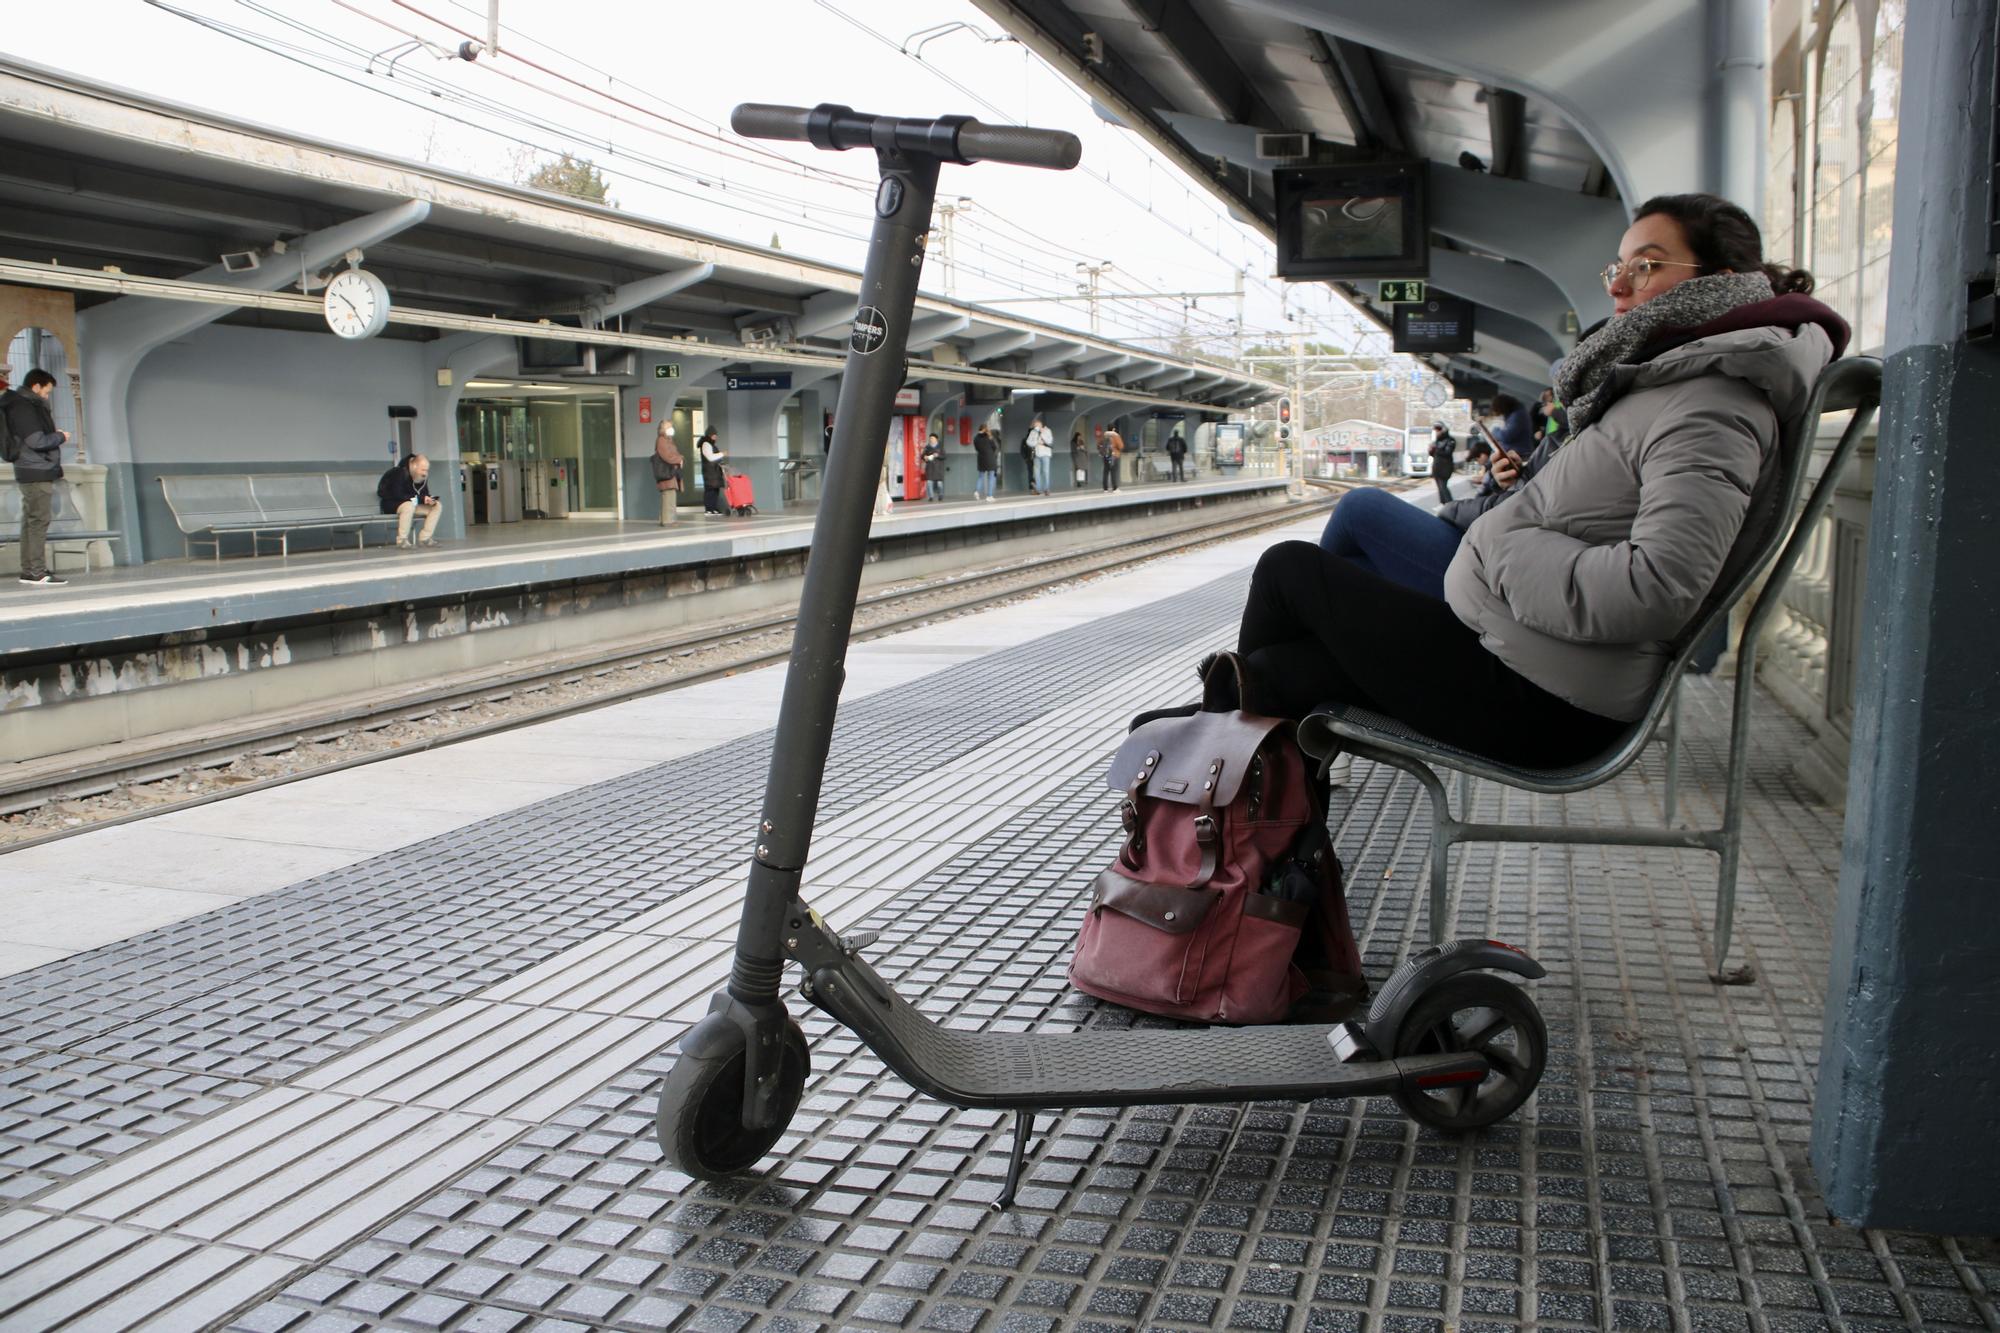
271, 506
1853, 384
66, 524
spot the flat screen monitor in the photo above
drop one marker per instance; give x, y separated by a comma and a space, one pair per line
548, 353
1440, 324
1355, 220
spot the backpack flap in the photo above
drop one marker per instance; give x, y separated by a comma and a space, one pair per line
1163, 907
1197, 760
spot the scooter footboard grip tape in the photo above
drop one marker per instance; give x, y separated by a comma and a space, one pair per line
1058, 150
759, 120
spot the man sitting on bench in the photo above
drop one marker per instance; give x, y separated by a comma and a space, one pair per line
404, 490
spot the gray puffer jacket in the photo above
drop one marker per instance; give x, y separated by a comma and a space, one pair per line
1583, 580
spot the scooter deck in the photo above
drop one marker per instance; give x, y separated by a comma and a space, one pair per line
1125, 1067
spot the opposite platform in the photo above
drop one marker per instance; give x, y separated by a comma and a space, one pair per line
184, 596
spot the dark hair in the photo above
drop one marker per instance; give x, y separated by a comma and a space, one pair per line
1505, 404
1722, 236
36, 378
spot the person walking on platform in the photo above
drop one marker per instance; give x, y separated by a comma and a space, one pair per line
933, 460
1079, 459
405, 491
986, 450
668, 468
34, 446
1443, 445
712, 479
1042, 453
1177, 454
1111, 447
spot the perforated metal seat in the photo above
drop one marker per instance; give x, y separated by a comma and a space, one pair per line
1852, 384
270, 505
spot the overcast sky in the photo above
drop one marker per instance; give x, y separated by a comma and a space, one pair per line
644, 88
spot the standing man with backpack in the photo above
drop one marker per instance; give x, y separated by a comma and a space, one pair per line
1177, 453
1111, 447
33, 445
987, 453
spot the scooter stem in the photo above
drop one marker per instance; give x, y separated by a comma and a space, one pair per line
877, 342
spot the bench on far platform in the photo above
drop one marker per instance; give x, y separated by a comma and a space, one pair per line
272, 506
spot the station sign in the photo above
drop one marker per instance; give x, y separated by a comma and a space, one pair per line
667, 370
775, 380
1400, 291
909, 399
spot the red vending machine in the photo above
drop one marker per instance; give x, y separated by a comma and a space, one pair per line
913, 457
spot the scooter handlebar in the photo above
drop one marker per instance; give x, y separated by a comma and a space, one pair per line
1058, 150
839, 127
760, 120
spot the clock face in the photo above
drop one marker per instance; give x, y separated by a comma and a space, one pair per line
357, 304
1435, 394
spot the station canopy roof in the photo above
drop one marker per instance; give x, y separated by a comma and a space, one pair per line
100, 179
1540, 125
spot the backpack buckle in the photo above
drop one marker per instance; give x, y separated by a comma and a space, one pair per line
1204, 829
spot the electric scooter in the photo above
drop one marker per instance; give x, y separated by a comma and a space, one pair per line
1456, 1046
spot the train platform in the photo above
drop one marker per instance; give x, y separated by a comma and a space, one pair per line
378, 1049
203, 594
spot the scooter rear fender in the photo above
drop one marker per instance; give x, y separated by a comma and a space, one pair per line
1421, 971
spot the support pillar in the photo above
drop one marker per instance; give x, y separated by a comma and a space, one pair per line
1903, 1122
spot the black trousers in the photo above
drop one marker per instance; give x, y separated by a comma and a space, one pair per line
1443, 479
1180, 473
1110, 474
711, 499
1317, 629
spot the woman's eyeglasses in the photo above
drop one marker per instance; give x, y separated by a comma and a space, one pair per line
1638, 272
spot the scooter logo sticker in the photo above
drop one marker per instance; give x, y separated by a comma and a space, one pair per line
871, 327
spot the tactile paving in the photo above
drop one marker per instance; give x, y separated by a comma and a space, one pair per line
1657, 1180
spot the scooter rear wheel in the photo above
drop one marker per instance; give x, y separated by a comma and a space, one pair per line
1475, 1011
700, 1117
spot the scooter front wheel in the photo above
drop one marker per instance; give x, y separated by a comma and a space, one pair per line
700, 1117
1476, 1012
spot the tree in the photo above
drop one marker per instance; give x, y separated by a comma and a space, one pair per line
574, 176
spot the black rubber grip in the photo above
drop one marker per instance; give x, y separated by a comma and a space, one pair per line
758, 120
1059, 150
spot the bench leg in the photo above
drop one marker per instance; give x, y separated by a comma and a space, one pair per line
1731, 833
1673, 739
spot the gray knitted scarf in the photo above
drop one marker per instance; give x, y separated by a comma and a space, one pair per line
1584, 384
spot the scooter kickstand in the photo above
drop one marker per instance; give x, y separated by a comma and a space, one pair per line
1024, 1128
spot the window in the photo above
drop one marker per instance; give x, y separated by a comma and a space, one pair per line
1836, 176
1781, 192
1878, 171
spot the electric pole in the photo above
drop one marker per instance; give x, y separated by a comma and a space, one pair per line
947, 242
1093, 273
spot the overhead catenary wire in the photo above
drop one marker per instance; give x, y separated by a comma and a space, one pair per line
767, 202
348, 63
1040, 242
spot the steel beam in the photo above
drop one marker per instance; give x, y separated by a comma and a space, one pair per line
1190, 43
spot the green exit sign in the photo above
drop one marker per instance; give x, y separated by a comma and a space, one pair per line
667, 370
1403, 291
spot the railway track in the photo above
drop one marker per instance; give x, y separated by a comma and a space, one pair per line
60, 798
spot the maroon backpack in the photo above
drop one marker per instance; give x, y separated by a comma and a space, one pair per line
1225, 903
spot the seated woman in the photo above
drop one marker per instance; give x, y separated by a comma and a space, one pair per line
1560, 606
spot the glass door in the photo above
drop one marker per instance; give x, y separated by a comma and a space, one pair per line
598, 429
